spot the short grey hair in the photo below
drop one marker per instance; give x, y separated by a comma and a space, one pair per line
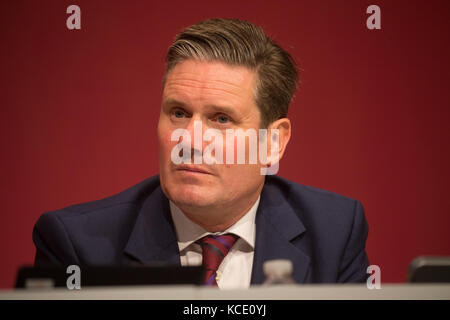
238, 42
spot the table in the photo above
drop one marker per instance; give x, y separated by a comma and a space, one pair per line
286, 292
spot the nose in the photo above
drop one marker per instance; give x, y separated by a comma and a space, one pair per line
195, 129
194, 126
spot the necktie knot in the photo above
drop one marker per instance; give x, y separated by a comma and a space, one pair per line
214, 250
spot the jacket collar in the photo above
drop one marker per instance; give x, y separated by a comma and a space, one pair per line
278, 231
153, 238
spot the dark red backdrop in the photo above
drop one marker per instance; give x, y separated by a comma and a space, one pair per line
79, 110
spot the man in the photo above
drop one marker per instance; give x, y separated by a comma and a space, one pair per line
222, 76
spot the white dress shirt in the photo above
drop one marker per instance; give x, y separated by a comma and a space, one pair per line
236, 268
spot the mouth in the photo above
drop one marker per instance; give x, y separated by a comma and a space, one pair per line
192, 169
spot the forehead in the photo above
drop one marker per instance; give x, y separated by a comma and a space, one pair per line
205, 81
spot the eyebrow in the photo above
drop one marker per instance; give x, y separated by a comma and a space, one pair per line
213, 107
223, 109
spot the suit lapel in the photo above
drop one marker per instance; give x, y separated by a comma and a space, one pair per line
153, 238
277, 225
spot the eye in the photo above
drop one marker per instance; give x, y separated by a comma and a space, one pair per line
223, 119
178, 114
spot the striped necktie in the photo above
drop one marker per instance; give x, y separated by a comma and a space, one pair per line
214, 250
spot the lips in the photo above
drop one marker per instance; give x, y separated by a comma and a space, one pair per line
192, 168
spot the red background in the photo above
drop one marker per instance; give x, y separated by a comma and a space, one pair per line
79, 110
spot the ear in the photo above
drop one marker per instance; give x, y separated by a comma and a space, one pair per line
283, 126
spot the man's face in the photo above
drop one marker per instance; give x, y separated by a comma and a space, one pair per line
220, 97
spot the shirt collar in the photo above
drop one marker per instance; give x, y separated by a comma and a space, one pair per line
188, 232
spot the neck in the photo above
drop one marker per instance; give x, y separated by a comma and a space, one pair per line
223, 217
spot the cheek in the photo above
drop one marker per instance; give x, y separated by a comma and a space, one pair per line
164, 142
231, 148
238, 180
238, 176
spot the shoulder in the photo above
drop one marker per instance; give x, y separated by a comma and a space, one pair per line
112, 208
309, 198
335, 229
92, 232
321, 211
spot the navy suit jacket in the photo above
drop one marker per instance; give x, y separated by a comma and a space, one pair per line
322, 233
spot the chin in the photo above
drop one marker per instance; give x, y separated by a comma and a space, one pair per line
191, 196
